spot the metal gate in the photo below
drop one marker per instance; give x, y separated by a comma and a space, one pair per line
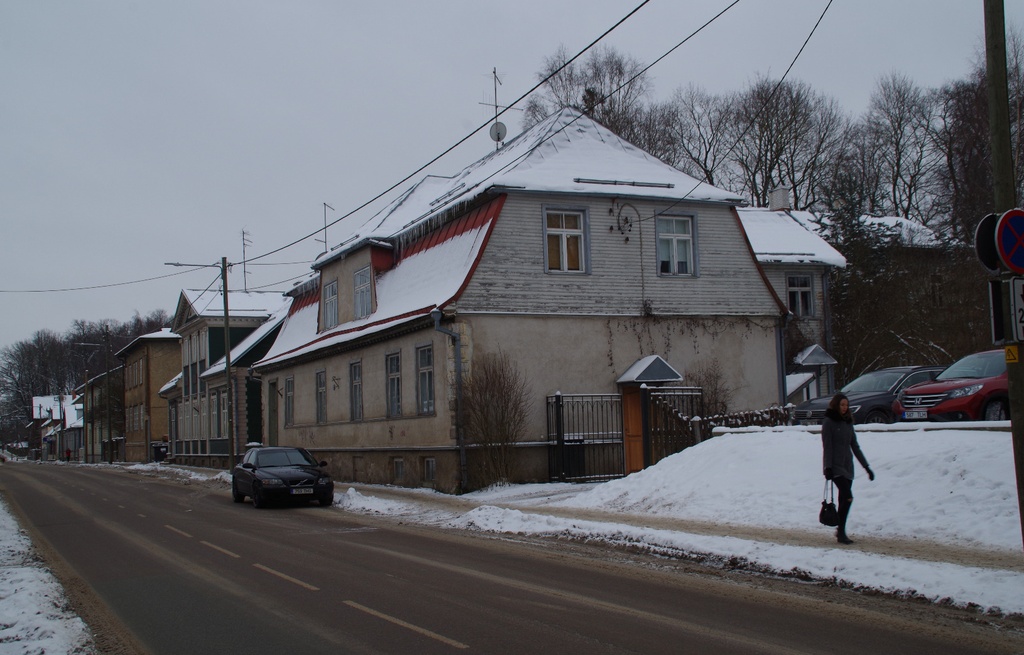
585, 437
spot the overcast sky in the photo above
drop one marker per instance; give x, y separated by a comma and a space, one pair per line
134, 133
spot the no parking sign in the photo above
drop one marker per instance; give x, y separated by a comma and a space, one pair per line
1010, 240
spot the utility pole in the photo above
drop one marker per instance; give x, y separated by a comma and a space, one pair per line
1005, 199
227, 365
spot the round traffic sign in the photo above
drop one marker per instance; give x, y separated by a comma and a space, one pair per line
1010, 240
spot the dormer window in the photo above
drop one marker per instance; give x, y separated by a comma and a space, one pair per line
330, 296
362, 302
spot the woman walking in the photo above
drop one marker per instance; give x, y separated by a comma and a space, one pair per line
839, 442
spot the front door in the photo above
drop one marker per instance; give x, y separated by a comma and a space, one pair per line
632, 429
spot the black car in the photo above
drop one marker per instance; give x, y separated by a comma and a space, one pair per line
281, 473
871, 395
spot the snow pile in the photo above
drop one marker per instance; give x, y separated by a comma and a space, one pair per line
33, 613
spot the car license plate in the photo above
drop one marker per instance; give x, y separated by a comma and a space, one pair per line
302, 491
915, 415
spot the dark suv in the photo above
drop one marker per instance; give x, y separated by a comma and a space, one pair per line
871, 395
972, 389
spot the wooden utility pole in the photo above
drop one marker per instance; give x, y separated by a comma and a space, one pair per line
1005, 199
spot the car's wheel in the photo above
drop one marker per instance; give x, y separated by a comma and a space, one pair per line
327, 501
258, 501
236, 496
996, 410
877, 416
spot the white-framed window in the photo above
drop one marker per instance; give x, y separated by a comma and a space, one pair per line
362, 301
289, 401
565, 249
800, 294
330, 295
393, 366
398, 468
675, 245
425, 380
429, 469
321, 396
355, 390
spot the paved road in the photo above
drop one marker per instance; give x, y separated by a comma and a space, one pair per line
174, 568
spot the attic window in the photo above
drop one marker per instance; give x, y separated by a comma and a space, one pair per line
657, 185
362, 300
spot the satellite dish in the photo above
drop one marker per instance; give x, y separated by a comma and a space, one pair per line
498, 131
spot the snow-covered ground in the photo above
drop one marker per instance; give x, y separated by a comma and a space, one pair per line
950, 488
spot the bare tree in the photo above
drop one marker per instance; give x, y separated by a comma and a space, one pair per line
606, 85
698, 130
785, 135
898, 119
496, 405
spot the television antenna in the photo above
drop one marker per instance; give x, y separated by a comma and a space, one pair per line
245, 274
324, 240
498, 130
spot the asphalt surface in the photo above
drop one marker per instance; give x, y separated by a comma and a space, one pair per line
160, 566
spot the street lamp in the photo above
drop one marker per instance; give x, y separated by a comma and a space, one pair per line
227, 350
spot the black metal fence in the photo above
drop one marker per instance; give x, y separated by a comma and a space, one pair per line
585, 433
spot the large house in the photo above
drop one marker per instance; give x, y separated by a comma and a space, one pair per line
570, 251
147, 363
198, 416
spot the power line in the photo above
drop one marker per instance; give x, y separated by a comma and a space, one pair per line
101, 286
460, 141
379, 195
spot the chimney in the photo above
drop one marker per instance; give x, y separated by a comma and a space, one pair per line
778, 199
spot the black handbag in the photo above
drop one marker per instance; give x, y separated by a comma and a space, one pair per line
828, 515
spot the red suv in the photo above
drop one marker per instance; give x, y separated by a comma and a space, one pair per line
972, 389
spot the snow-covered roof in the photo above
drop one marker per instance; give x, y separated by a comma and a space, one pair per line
429, 274
253, 338
241, 304
797, 381
910, 232
173, 382
566, 153
650, 369
163, 334
786, 237
814, 355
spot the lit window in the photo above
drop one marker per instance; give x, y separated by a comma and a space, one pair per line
565, 242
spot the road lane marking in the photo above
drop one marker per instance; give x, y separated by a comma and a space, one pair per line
142, 516
404, 624
220, 550
174, 529
287, 577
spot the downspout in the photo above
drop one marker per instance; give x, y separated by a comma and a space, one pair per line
436, 314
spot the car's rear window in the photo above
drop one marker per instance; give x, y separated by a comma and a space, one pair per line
979, 365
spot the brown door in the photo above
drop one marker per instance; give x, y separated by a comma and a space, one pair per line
632, 429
